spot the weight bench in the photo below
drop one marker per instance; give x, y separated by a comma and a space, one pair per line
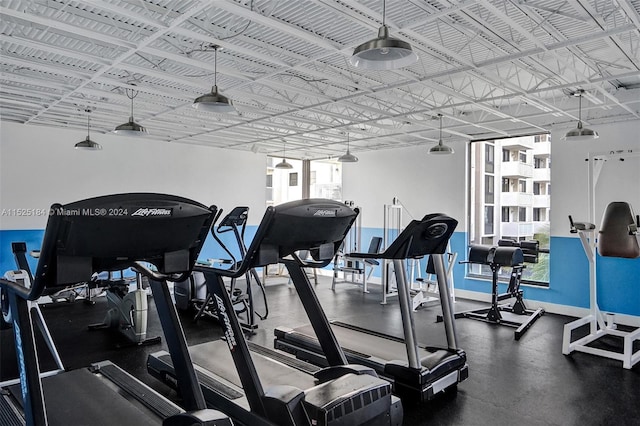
507, 253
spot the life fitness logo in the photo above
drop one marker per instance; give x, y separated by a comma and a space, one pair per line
145, 212
326, 213
228, 332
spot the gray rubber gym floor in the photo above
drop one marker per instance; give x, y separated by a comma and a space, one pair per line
526, 382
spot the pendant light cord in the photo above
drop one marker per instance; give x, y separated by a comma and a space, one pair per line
580, 106
133, 94
215, 65
440, 140
88, 121
384, 12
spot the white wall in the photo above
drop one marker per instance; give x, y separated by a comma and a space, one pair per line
423, 183
39, 166
427, 184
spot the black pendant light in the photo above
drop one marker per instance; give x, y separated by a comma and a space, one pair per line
214, 101
348, 157
383, 52
580, 133
284, 164
87, 144
130, 128
440, 148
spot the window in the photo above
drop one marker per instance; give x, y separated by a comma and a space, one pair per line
517, 217
488, 189
505, 184
522, 214
505, 214
522, 185
488, 219
324, 180
488, 158
537, 188
538, 214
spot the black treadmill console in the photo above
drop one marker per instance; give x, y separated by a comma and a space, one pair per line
430, 235
111, 233
114, 232
316, 225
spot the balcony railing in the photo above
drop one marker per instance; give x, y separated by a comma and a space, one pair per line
516, 229
522, 143
542, 149
542, 175
542, 201
521, 199
541, 227
516, 169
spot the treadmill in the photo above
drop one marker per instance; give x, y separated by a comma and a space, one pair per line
417, 372
260, 386
107, 233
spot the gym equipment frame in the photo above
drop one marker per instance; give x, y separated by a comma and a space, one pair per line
165, 231
496, 257
418, 372
259, 386
618, 237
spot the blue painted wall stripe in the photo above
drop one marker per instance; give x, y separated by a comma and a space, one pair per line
618, 279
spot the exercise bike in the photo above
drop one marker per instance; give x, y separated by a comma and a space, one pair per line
127, 309
192, 292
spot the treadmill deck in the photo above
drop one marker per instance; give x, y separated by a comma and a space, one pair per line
94, 401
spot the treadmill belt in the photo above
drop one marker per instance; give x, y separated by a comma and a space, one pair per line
279, 356
79, 397
216, 358
359, 343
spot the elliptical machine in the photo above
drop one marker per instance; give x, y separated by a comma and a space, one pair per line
192, 292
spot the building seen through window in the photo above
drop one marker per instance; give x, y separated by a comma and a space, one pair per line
324, 180
510, 198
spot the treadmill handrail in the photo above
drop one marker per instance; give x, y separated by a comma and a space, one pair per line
19, 289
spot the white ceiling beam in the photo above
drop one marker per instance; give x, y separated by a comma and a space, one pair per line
70, 30
121, 58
